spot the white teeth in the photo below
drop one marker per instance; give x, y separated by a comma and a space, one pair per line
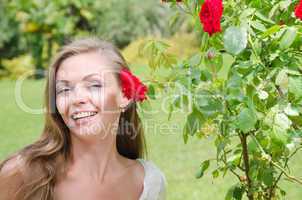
83, 114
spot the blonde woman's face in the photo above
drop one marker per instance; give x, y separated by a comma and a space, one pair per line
88, 95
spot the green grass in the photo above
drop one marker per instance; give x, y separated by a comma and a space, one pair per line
177, 160
18, 127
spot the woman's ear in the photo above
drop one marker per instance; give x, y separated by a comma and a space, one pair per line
123, 101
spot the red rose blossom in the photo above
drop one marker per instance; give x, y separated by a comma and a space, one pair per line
298, 10
132, 87
210, 16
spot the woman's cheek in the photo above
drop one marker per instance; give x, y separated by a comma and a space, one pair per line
97, 98
110, 102
61, 105
103, 98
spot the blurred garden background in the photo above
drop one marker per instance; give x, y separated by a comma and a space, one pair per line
32, 30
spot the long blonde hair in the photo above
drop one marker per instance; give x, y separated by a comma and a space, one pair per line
46, 159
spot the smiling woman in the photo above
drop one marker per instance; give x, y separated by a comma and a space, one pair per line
92, 145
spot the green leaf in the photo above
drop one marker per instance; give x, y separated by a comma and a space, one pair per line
246, 13
238, 193
78, 3
212, 108
185, 137
235, 192
282, 121
284, 5
291, 111
268, 177
172, 21
204, 166
282, 192
288, 38
195, 59
146, 106
258, 25
246, 120
228, 60
264, 18
252, 147
295, 86
234, 159
221, 143
271, 31
235, 39
86, 13
282, 80
176, 101
279, 139
293, 72
157, 50
273, 10
151, 92
161, 46
215, 173
194, 122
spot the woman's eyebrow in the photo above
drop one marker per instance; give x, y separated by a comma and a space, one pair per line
85, 78
62, 82
90, 75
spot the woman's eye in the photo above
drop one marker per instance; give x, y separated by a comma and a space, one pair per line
64, 90
96, 86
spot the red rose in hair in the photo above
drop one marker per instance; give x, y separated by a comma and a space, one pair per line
298, 10
210, 16
132, 87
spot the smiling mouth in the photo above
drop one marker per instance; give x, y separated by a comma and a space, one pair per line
83, 115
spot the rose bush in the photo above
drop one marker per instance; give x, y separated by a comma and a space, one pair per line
243, 89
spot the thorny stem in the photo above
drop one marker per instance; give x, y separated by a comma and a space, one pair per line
233, 171
268, 158
281, 173
243, 138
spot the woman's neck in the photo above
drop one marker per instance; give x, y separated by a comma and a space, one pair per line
95, 158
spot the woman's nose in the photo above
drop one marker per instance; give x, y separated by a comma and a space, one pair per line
80, 96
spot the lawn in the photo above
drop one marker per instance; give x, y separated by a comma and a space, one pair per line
177, 160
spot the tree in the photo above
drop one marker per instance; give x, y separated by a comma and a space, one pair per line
243, 89
36, 27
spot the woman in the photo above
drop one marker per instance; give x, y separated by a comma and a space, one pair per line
92, 145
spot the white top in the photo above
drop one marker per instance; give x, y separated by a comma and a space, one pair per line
154, 182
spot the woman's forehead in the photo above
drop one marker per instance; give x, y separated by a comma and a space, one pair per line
85, 65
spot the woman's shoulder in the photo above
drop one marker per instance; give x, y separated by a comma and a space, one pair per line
11, 177
154, 182
151, 168
12, 165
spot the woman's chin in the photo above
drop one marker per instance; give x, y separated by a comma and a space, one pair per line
86, 131
92, 131
93, 127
